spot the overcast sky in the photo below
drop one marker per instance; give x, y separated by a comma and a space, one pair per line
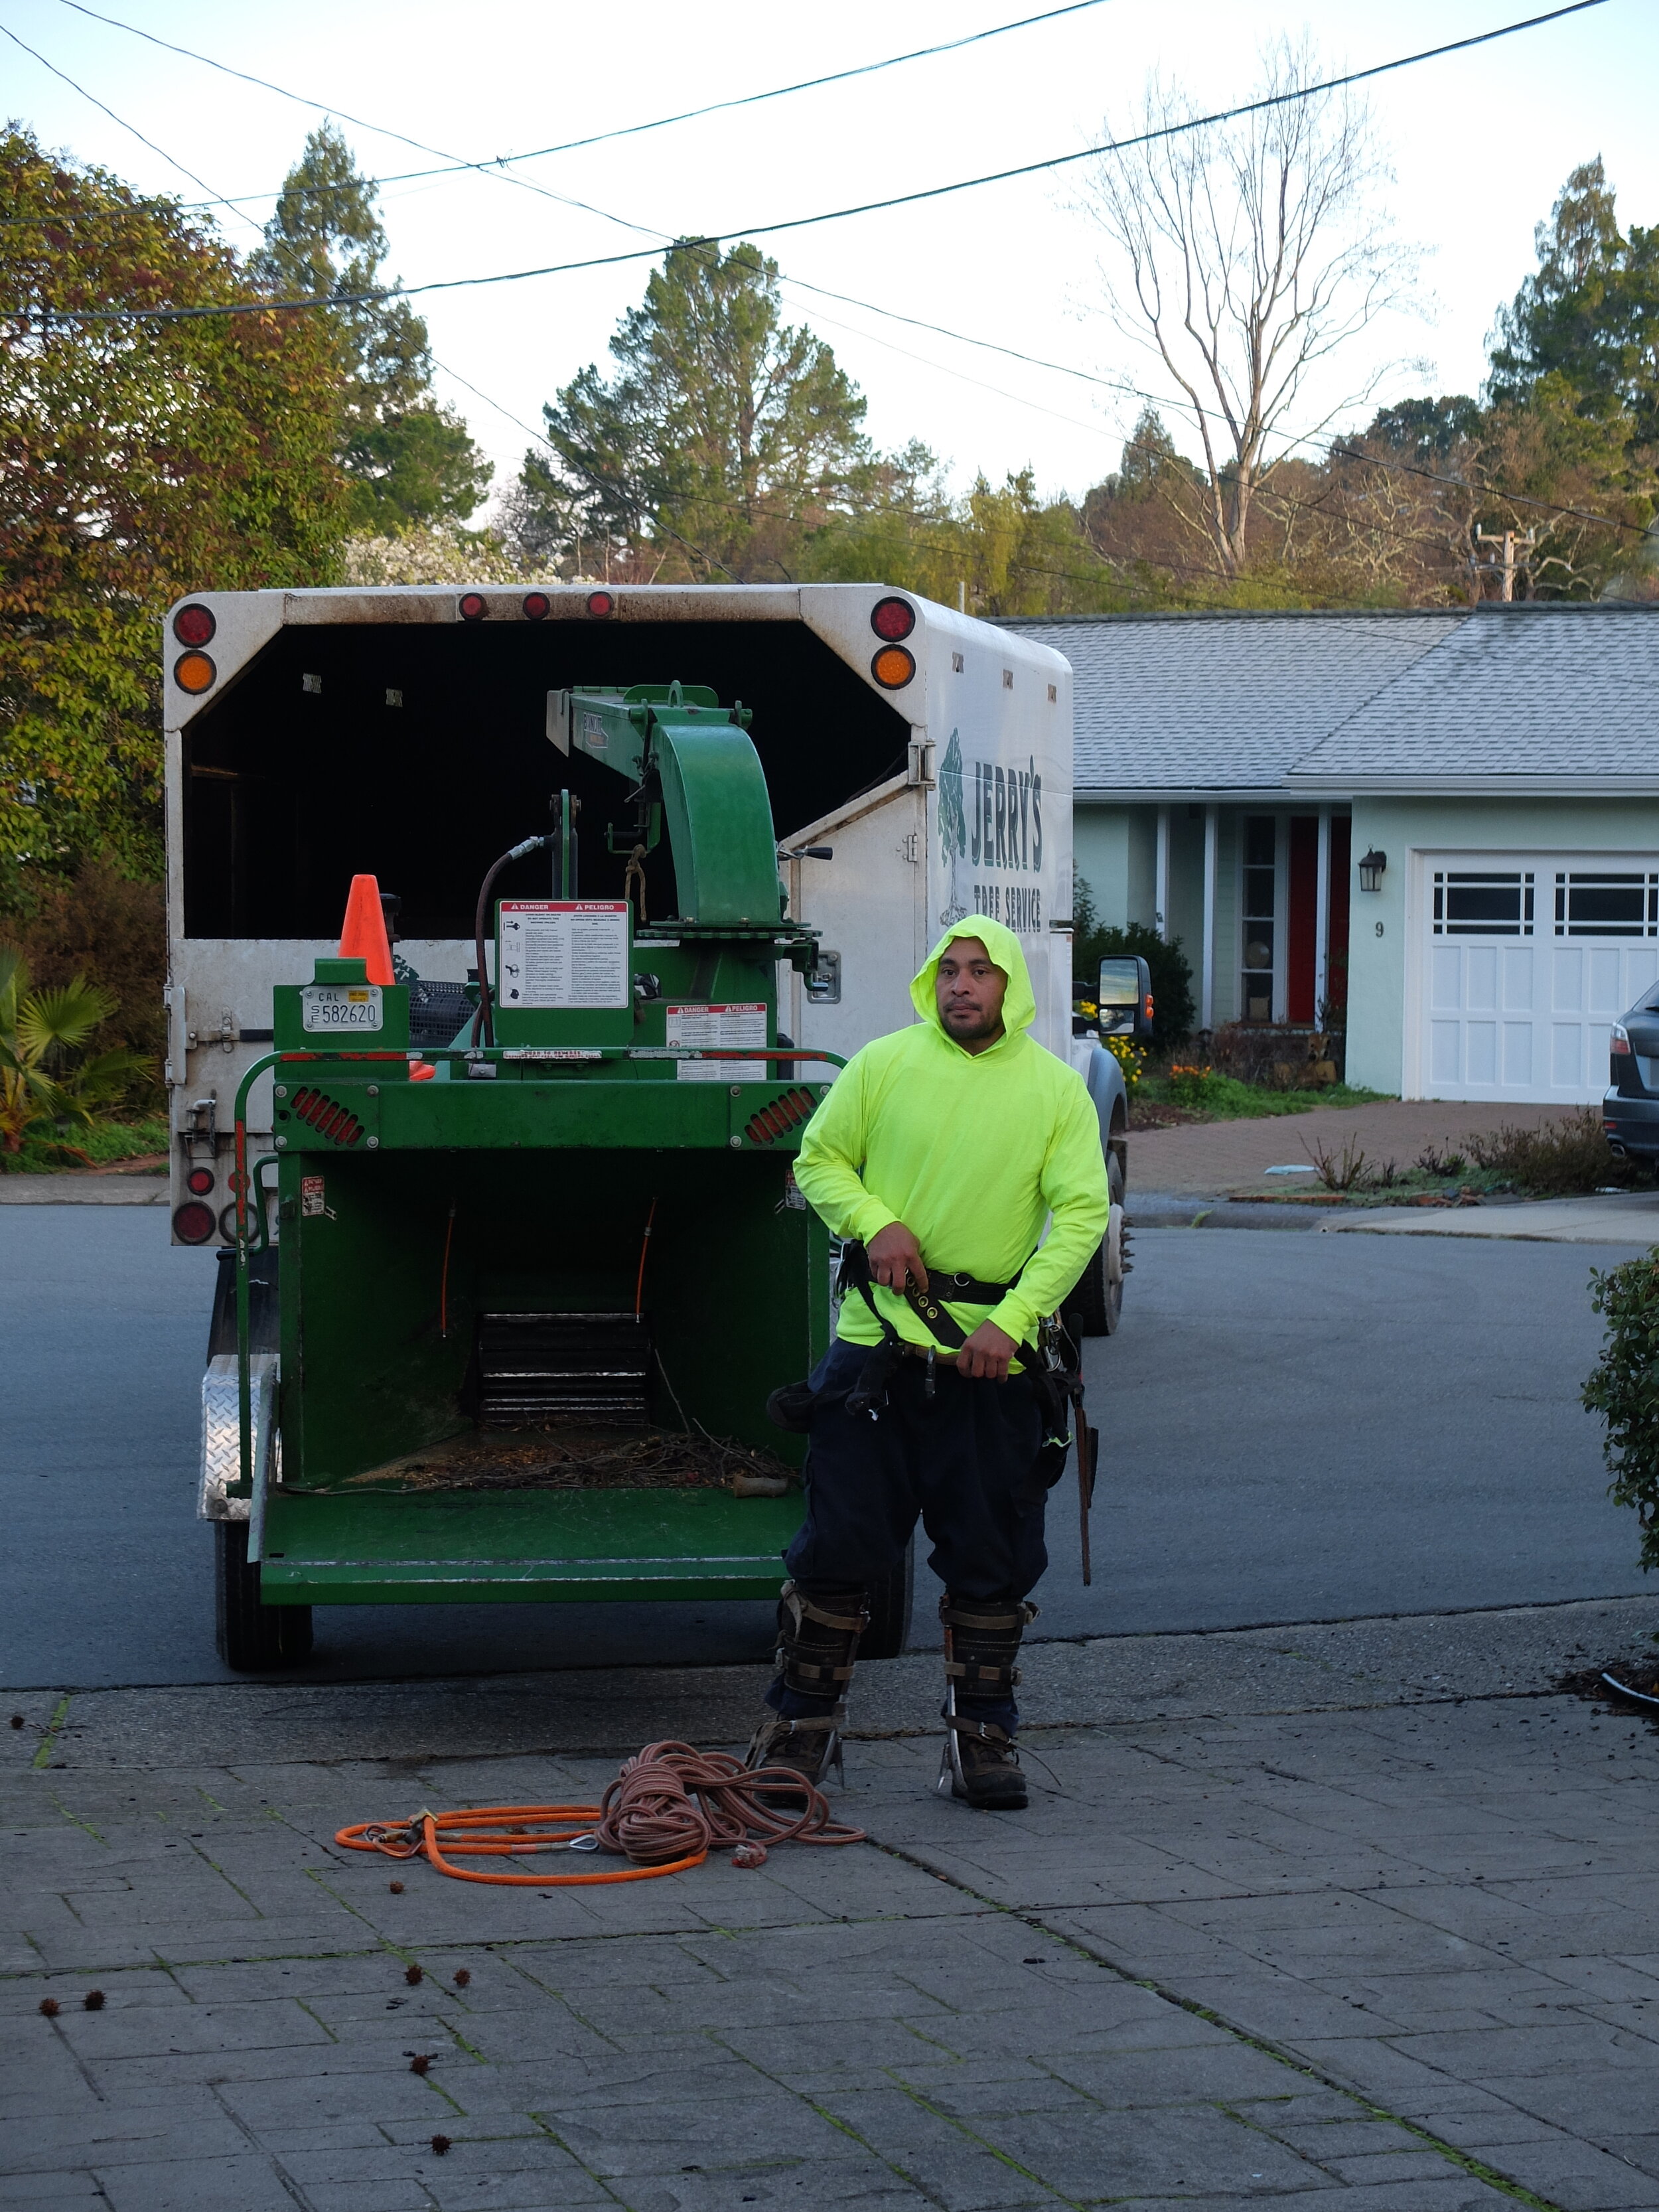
1480, 144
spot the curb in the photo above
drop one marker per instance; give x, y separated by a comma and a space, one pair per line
83, 1190
1156, 1209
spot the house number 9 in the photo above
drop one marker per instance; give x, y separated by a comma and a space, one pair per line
1379, 929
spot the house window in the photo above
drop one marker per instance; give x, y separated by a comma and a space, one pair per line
1466, 904
1625, 905
1259, 917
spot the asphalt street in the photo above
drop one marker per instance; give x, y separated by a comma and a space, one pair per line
1294, 1428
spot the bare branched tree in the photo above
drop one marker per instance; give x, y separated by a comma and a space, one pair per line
1246, 255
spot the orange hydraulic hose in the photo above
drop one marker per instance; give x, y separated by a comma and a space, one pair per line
645, 1246
443, 1280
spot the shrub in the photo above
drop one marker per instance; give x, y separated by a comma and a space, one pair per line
1131, 1058
100, 926
1623, 1388
1570, 1154
1193, 1086
1173, 1010
49, 1083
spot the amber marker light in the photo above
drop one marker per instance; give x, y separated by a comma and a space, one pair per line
893, 667
194, 625
194, 673
892, 619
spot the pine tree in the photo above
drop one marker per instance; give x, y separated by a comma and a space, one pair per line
1589, 312
408, 459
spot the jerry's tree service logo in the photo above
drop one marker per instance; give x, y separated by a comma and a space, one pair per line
990, 825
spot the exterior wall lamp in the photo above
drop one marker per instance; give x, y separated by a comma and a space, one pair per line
1370, 870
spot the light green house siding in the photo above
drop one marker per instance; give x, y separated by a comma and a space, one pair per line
1115, 850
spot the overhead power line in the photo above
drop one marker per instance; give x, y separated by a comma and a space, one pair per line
622, 131
498, 167
216, 199
832, 214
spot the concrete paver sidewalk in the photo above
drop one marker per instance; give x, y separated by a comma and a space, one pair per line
1377, 1934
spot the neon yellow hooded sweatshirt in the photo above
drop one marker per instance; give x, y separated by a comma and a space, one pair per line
972, 1152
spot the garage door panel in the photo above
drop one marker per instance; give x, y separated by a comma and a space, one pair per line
1446, 978
1605, 991
1519, 967
1566, 1055
1518, 1041
1567, 965
1529, 959
1445, 1054
1480, 978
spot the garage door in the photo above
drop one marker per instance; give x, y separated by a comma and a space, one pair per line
1529, 959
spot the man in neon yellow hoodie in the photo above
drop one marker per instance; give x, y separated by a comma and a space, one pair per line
941, 1150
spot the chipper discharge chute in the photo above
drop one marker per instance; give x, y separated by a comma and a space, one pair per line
536, 1283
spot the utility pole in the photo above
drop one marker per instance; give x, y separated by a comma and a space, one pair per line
1510, 540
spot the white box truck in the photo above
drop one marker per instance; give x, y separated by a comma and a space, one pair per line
919, 763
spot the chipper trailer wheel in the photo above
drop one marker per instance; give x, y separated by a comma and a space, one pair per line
253, 1638
1097, 1302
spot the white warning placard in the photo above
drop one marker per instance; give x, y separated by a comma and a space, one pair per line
562, 952
706, 1028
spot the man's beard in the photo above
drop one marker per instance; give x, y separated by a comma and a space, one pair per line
971, 1021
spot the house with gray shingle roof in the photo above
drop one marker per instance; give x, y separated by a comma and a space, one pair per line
1445, 821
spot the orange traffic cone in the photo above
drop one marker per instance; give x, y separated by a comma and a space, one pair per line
363, 936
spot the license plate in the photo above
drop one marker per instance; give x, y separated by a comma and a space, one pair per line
335, 1009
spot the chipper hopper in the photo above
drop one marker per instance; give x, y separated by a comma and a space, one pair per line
536, 1283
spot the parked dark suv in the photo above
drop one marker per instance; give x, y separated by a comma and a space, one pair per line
1629, 1111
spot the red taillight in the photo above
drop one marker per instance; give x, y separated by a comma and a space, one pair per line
193, 1223
600, 603
892, 619
194, 625
536, 606
472, 607
199, 1180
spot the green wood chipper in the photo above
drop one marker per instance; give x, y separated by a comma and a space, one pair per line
535, 1285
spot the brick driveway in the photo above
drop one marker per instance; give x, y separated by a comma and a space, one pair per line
1207, 1159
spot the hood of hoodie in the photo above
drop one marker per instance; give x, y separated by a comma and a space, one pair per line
1019, 1003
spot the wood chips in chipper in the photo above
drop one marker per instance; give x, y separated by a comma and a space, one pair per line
583, 1457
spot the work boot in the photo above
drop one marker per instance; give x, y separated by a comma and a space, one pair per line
818, 1633
982, 1641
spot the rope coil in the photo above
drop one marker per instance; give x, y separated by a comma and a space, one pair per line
666, 1810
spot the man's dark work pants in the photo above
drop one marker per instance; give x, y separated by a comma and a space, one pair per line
960, 1459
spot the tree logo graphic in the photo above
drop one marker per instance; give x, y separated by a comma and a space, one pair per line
952, 828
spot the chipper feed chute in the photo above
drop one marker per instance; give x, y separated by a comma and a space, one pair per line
536, 1286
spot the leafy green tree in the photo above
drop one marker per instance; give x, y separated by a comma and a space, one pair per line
1004, 550
723, 431
1588, 315
408, 459
138, 461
